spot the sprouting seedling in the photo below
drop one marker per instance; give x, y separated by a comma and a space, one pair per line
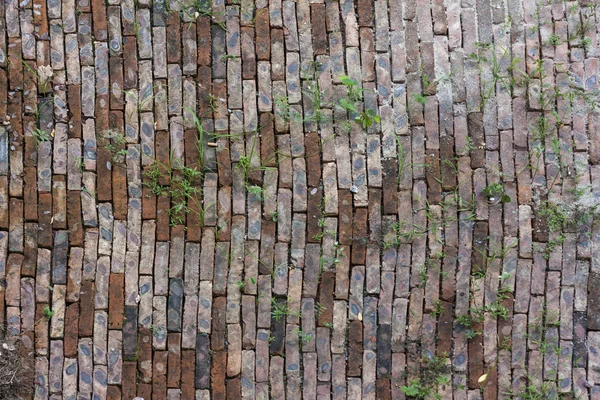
366, 118
201, 8
495, 194
48, 313
41, 135
355, 92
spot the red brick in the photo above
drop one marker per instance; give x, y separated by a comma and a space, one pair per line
218, 373
130, 66
263, 37
30, 193
174, 360
117, 98
345, 217
44, 217
86, 315
203, 40
188, 373
248, 52
100, 21
159, 378
71, 330
234, 389
359, 236
129, 380
74, 98
113, 393
74, 221
319, 30
116, 301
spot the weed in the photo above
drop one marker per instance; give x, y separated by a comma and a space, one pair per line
554, 39
439, 308
183, 187
366, 118
495, 194
303, 336
201, 8
280, 310
501, 66
355, 92
48, 313
116, 146
41, 135
282, 103
432, 374
319, 309
142, 100
315, 97
246, 165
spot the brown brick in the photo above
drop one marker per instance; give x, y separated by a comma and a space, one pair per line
159, 376
359, 236
263, 37
116, 301
203, 40
218, 373
319, 31
71, 330
74, 98
74, 221
173, 39
174, 360
100, 21
129, 380
248, 53
355, 350
86, 312
30, 193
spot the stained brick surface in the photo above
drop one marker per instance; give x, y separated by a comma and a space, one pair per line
195, 203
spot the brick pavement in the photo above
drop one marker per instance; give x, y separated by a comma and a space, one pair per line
301, 199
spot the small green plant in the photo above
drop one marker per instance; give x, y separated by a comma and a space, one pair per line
183, 187
416, 389
143, 99
304, 337
501, 65
366, 118
419, 98
355, 92
495, 194
315, 98
280, 310
283, 104
433, 373
245, 163
213, 102
256, 191
48, 313
439, 309
193, 9
41, 135
319, 309
116, 145
554, 39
